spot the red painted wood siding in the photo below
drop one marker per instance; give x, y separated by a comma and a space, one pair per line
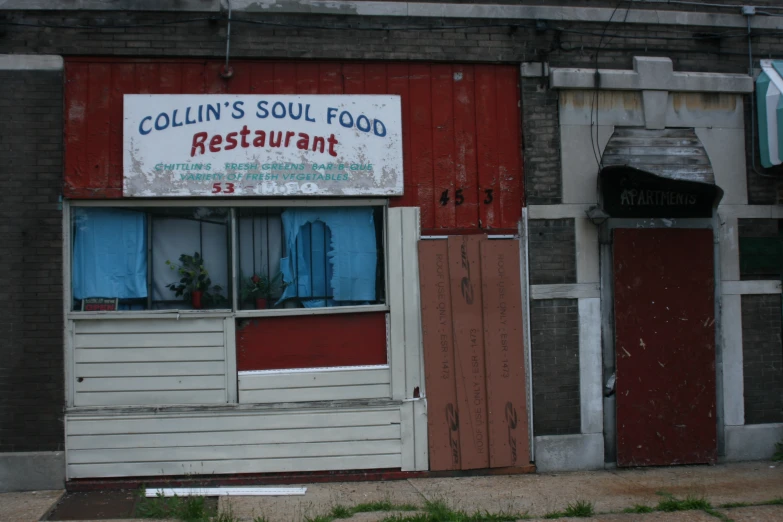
461, 125
311, 341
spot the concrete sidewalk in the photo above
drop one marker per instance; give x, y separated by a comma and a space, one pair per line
610, 491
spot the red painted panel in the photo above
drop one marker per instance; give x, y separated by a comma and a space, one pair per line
193, 78
509, 147
397, 83
285, 78
240, 82
307, 77
311, 341
98, 120
123, 80
353, 78
465, 278
443, 147
76, 127
466, 171
375, 78
487, 147
459, 132
665, 346
170, 78
439, 365
505, 355
330, 79
421, 142
262, 78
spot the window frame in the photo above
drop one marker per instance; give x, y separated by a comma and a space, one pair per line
233, 265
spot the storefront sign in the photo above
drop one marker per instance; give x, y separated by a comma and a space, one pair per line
258, 145
633, 193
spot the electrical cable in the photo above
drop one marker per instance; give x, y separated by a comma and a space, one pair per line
597, 86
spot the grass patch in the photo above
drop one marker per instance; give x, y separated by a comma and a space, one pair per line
671, 504
638, 508
778, 455
187, 509
339, 511
194, 508
774, 502
438, 511
580, 508
553, 515
383, 505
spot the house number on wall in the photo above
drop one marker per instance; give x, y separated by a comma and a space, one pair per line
459, 198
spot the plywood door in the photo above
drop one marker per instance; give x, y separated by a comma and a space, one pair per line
473, 353
665, 346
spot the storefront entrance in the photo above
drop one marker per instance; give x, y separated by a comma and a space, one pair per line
664, 346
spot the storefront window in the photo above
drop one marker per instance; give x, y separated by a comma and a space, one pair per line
150, 258
178, 258
306, 257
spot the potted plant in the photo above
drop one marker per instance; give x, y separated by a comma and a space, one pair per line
261, 289
194, 284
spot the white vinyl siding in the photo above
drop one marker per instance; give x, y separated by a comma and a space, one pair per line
317, 385
176, 443
149, 362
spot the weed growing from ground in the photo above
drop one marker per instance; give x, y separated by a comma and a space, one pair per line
671, 504
638, 508
580, 508
778, 455
187, 509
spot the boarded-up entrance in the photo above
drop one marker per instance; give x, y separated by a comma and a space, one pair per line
473, 353
665, 346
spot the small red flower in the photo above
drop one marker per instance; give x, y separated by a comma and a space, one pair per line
255, 279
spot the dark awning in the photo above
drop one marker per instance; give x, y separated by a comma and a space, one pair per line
657, 173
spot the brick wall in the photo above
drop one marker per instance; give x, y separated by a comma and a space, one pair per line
554, 339
552, 254
31, 317
762, 358
543, 180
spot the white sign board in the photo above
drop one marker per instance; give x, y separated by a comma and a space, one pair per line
259, 145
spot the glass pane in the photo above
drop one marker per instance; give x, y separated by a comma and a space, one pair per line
151, 258
305, 257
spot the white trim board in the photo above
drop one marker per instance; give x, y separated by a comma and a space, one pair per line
31, 62
558, 211
630, 15
565, 291
750, 287
225, 492
751, 211
650, 73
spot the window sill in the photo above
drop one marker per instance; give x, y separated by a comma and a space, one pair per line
243, 314
240, 314
149, 314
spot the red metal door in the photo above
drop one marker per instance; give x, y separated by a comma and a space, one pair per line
665, 346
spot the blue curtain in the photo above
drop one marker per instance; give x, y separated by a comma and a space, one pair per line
332, 254
109, 253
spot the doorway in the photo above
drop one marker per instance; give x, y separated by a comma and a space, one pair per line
664, 294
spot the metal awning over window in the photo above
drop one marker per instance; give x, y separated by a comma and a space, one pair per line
769, 97
657, 173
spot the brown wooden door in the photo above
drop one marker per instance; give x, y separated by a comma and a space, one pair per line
665, 346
